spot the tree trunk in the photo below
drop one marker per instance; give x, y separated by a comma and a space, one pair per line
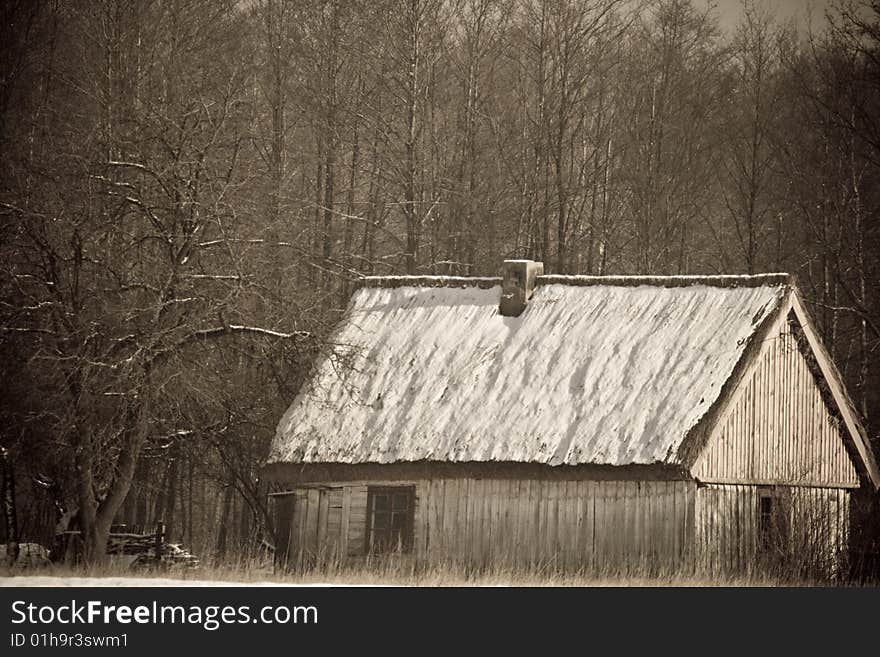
350, 210
171, 499
9, 516
96, 514
412, 93
222, 533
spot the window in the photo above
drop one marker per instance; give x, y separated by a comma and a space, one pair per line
765, 521
390, 519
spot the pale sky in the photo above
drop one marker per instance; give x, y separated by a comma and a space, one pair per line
730, 11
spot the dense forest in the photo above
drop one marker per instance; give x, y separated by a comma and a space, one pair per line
188, 189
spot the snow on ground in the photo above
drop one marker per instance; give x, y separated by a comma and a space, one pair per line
435, 580
44, 580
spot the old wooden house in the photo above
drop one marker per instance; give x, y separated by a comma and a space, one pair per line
571, 422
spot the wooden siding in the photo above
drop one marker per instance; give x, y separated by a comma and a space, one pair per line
777, 428
727, 528
547, 525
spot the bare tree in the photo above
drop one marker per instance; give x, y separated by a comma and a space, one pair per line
749, 171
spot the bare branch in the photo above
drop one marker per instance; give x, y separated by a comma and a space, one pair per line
236, 328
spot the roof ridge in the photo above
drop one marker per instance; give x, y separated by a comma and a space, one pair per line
714, 280
428, 281
683, 280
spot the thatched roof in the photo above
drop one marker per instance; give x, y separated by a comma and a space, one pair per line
611, 371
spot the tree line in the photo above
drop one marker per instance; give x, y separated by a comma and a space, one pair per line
189, 188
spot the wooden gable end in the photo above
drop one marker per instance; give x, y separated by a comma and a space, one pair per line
782, 424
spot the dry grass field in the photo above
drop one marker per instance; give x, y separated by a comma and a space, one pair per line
449, 576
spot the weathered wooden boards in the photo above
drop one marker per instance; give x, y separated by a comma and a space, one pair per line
320, 524
726, 528
506, 523
569, 526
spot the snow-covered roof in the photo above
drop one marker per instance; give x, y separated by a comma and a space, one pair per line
595, 371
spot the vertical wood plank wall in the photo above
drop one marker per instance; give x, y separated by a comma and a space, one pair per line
567, 526
727, 527
778, 429
541, 524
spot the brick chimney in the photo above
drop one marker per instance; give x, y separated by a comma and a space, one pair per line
517, 285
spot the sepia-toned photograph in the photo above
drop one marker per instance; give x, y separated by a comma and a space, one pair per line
435, 294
